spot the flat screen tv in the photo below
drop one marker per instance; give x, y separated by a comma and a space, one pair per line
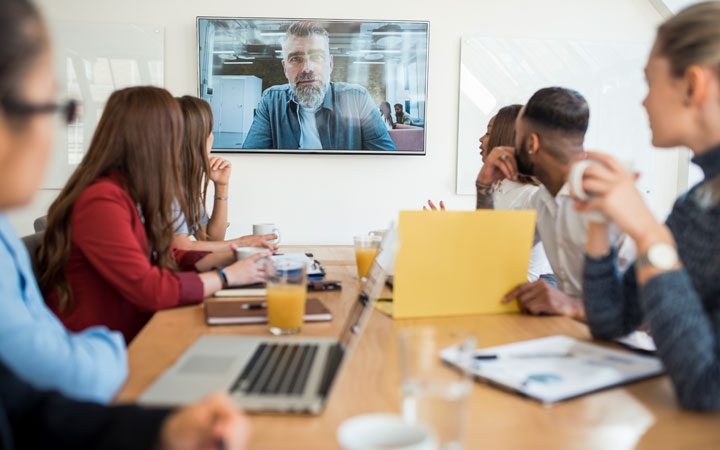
314, 86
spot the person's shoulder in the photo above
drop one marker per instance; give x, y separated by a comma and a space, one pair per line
278, 90
541, 195
350, 88
104, 188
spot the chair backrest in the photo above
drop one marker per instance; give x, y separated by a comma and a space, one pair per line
33, 242
40, 224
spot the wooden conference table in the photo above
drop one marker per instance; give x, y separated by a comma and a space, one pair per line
643, 415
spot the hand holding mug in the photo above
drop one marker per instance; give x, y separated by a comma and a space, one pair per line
246, 271
500, 164
265, 240
264, 229
601, 184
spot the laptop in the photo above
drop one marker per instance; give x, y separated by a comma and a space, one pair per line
271, 375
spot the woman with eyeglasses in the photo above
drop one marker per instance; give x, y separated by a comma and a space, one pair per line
33, 343
38, 356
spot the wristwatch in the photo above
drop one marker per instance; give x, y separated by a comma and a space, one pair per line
662, 256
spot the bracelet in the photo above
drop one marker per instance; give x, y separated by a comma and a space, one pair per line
224, 278
221, 198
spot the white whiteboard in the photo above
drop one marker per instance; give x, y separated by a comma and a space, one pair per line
500, 71
92, 61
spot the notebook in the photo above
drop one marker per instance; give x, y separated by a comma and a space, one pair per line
236, 312
453, 263
557, 368
251, 290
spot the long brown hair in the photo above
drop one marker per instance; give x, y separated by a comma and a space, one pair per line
139, 136
386, 112
198, 119
503, 134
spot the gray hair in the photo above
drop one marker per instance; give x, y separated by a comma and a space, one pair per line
304, 28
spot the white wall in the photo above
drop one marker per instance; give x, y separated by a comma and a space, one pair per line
327, 199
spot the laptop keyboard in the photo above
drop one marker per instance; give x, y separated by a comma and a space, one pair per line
277, 369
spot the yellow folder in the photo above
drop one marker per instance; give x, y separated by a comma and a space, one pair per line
456, 263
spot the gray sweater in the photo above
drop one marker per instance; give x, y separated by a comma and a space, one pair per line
682, 308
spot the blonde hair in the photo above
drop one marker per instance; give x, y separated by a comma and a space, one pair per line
692, 37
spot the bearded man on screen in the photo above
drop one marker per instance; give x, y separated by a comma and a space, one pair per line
311, 112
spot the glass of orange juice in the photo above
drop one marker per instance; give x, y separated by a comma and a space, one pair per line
286, 295
366, 249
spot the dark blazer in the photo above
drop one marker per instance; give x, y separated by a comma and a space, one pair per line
32, 419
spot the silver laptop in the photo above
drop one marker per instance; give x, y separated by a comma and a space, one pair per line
264, 374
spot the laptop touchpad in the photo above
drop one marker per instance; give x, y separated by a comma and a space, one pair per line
206, 365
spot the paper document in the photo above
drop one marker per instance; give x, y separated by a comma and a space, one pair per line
558, 367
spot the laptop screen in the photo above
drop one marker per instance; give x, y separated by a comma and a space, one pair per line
371, 289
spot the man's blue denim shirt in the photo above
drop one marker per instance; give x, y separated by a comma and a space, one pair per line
347, 120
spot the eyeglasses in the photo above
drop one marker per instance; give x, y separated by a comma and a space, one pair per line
68, 110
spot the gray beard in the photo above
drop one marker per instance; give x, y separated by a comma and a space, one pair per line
311, 96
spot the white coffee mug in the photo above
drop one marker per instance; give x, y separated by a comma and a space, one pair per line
384, 431
246, 252
575, 179
261, 229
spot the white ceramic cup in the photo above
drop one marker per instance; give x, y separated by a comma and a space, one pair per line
261, 229
384, 431
575, 179
246, 252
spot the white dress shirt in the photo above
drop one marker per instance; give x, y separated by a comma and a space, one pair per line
511, 195
563, 231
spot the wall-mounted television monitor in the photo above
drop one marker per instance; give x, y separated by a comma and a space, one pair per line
314, 86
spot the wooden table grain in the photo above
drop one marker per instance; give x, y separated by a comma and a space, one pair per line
642, 415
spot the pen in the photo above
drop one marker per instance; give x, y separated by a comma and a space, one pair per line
262, 305
324, 285
523, 356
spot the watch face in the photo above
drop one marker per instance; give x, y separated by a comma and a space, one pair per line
663, 256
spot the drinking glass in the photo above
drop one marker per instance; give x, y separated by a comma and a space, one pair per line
286, 295
436, 395
366, 249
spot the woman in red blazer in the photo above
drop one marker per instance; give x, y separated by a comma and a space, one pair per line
107, 256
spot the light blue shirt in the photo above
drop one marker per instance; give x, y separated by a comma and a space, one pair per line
309, 134
180, 223
91, 365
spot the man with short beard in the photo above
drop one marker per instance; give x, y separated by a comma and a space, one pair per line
311, 112
401, 116
550, 131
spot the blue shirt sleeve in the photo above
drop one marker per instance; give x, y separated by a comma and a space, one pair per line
260, 133
375, 135
91, 365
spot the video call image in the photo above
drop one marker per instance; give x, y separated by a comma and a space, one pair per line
305, 86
